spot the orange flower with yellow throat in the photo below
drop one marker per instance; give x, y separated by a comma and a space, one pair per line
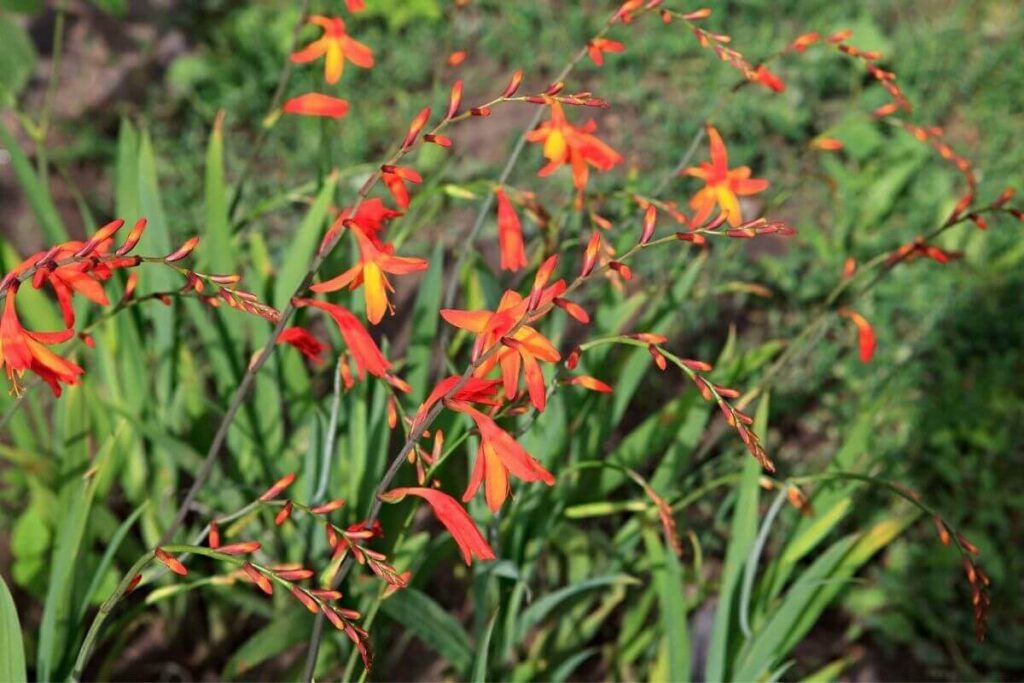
578, 147
724, 186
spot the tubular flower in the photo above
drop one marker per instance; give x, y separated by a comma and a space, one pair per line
371, 216
365, 351
458, 522
598, 46
724, 185
498, 456
768, 79
475, 390
335, 45
315, 104
85, 277
395, 178
374, 263
22, 350
520, 349
865, 334
299, 337
564, 143
510, 234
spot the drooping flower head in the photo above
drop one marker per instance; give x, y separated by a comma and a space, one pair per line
335, 45
723, 186
565, 143
375, 262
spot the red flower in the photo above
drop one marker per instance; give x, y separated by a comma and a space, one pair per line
395, 178
498, 456
521, 350
355, 5
723, 184
458, 522
475, 390
300, 338
564, 143
865, 334
598, 46
370, 216
336, 46
371, 271
315, 104
22, 350
768, 79
510, 234
360, 343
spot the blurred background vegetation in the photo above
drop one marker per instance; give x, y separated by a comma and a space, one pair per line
939, 410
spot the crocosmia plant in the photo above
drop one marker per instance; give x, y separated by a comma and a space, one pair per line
445, 340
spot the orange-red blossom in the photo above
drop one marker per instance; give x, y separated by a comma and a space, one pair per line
367, 355
22, 350
335, 45
458, 522
520, 350
498, 456
375, 262
724, 186
578, 147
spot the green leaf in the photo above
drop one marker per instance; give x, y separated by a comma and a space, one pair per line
115, 7
668, 580
25, 6
424, 325
17, 58
303, 244
482, 651
73, 507
218, 255
36, 192
741, 538
285, 631
438, 629
12, 650
538, 611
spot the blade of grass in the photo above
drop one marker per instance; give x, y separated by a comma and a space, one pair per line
12, 649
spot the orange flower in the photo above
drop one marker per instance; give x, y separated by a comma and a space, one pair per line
458, 522
588, 382
723, 184
564, 143
598, 46
374, 263
355, 5
336, 46
365, 351
521, 351
22, 350
865, 334
315, 104
498, 456
510, 234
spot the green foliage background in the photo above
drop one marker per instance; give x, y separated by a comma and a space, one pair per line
585, 587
